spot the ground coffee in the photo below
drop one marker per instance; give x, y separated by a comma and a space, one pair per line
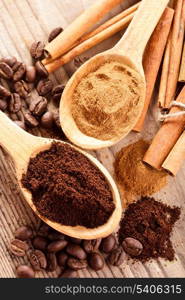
67, 188
151, 223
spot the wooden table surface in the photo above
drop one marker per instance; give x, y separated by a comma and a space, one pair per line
21, 23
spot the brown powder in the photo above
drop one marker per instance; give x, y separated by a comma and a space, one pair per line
133, 175
151, 222
67, 188
103, 101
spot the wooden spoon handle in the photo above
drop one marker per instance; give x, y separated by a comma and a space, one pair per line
140, 29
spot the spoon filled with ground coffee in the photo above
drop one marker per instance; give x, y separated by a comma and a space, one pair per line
67, 188
104, 98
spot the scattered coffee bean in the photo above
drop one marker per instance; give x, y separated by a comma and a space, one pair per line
57, 246
132, 246
55, 235
62, 258
76, 251
10, 60
57, 92
18, 247
68, 273
30, 120
43, 230
5, 71
38, 106
22, 88
91, 245
53, 34
96, 261
15, 103
75, 240
37, 49
44, 87
56, 119
3, 104
4, 92
16, 66
30, 73
41, 70
19, 73
47, 120
76, 264
117, 257
108, 243
24, 233
78, 61
24, 271
52, 262
40, 243
38, 260
21, 124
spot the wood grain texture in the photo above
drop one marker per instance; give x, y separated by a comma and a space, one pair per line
21, 22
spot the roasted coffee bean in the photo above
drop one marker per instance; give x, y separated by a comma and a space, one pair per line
5, 71
30, 74
24, 271
52, 261
43, 230
56, 119
19, 73
108, 243
76, 264
41, 70
15, 103
38, 260
76, 251
24, 233
37, 49
57, 246
9, 60
47, 120
62, 258
75, 240
30, 120
68, 273
132, 246
3, 104
55, 235
38, 106
53, 34
4, 92
91, 245
21, 124
117, 257
16, 66
18, 247
78, 61
57, 92
22, 88
40, 243
96, 261
44, 87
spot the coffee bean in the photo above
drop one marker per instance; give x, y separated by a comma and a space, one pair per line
56, 119
19, 73
96, 261
40, 243
38, 106
30, 120
76, 251
53, 34
43, 230
57, 92
16, 66
68, 273
76, 264
91, 245
24, 271
24, 233
47, 120
37, 49
22, 88
132, 246
5, 71
3, 104
55, 235
108, 243
78, 61
44, 87
9, 60
75, 240
38, 260
18, 247
41, 70
4, 92
62, 258
52, 261
15, 103
117, 257
30, 73
57, 246
21, 124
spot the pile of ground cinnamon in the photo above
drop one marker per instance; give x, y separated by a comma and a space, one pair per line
135, 176
103, 101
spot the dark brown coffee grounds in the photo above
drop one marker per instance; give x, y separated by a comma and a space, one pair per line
67, 188
150, 222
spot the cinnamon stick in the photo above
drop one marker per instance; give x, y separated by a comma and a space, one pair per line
166, 137
79, 26
182, 68
152, 59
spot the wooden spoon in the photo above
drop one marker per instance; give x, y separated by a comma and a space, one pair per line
129, 51
22, 146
